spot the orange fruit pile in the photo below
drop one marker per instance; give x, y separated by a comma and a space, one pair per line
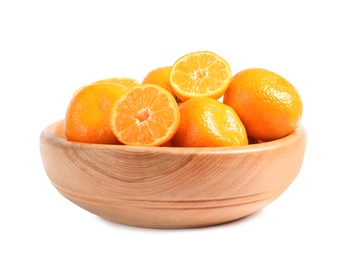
194, 102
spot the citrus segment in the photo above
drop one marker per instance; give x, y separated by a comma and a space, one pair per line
88, 113
146, 114
200, 74
268, 105
206, 122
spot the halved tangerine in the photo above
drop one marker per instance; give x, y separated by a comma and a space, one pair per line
146, 115
200, 74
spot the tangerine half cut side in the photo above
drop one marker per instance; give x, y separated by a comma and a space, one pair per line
145, 115
201, 73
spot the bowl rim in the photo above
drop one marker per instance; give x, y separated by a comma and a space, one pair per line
50, 133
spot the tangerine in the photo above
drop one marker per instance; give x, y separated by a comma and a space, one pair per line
206, 122
146, 115
161, 77
87, 117
268, 105
201, 73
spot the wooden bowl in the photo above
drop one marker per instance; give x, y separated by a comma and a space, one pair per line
171, 187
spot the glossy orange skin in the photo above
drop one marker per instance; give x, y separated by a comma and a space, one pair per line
268, 105
161, 77
87, 117
206, 122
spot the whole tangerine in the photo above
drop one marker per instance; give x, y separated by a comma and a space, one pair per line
87, 117
269, 106
207, 122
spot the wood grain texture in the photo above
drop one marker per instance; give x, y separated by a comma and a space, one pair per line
171, 187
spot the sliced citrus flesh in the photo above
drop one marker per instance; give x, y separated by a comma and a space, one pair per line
198, 74
87, 117
145, 115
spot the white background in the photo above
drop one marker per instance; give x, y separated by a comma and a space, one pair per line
50, 48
